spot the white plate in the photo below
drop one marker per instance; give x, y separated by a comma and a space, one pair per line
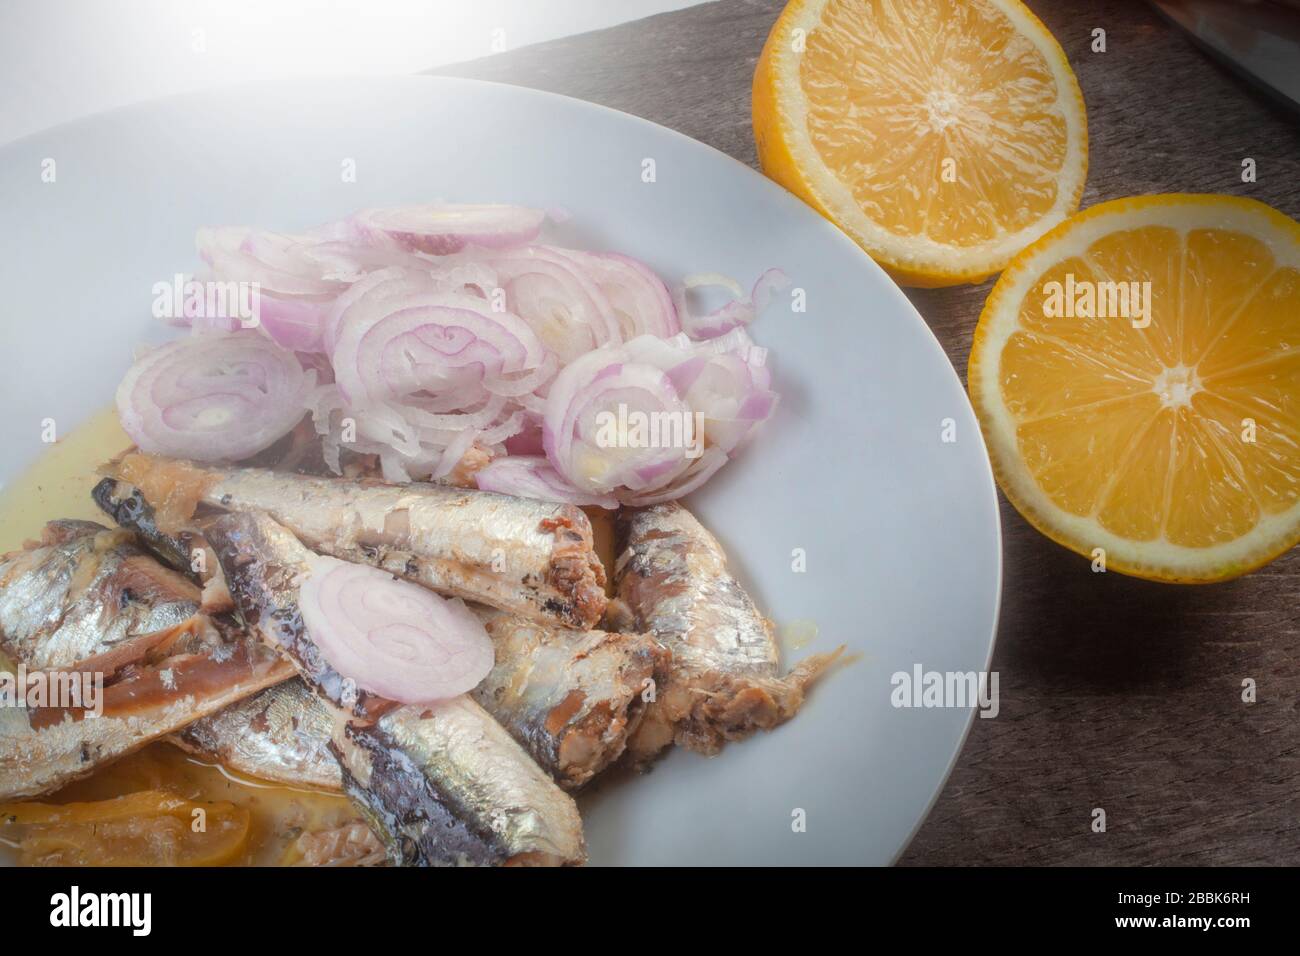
899, 528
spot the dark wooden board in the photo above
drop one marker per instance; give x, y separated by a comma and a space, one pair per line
1116, 693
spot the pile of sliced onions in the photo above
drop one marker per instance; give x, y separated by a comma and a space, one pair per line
439, 331
213, 396
422, 374
390, 637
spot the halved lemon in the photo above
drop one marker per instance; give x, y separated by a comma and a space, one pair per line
943, 135
1136, 373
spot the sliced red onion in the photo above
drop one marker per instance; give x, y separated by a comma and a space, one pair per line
391, 345
390, 637
726, 379
638, 297
456, 449
436, 330
444, 228
531, 476
294, 324
562, 305
279, 264
528, 441
422, 374
411, 442
213, 396
741, 310
653, 419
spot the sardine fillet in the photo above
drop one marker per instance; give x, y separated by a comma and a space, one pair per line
723, 683
93, 599
84, 591
447, 785
150, 704
534, 558
570, 699
281, 735
185, 551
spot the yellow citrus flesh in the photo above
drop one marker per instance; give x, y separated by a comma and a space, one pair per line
1164, 430
148, 828
943, 135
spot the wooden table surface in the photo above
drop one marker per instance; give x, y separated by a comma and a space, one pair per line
1116, 693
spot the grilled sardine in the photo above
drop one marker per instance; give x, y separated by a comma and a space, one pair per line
723, 683
571, 699
534, 558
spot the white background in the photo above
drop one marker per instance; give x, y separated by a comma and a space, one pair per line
61, 59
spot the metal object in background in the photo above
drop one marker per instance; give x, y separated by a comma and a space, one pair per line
1261, 41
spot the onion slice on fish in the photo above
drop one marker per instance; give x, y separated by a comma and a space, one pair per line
213, 396
393, 638
444, 228
652, 419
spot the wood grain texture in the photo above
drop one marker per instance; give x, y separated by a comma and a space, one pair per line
1116, 693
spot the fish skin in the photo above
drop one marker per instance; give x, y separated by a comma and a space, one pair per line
155, 682
127, 506
281, 734
83, 591
724, 681
570, 699
446, 785
534, 558
441, 784
44, 750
